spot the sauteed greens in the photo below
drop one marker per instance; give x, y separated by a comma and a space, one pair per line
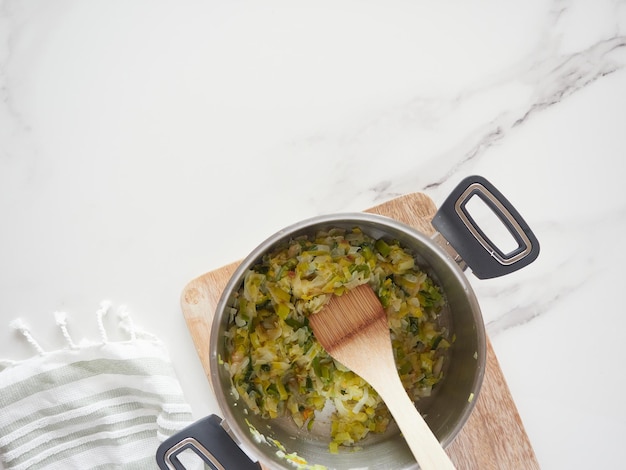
277, 366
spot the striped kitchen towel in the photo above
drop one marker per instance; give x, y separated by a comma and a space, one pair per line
103, 405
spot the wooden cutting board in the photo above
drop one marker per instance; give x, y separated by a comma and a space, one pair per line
494, 436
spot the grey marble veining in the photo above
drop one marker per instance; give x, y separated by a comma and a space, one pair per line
145, 143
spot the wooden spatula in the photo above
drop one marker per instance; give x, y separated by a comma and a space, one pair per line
353, 329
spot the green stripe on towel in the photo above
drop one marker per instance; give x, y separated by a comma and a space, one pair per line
81, 370
103, 406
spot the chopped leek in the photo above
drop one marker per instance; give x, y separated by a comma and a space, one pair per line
277, 366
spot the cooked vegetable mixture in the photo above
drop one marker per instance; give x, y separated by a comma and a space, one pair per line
277, 366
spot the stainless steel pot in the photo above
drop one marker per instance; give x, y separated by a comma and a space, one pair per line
242, 439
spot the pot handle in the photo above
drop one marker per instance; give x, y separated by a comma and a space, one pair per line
454, 222
209, 441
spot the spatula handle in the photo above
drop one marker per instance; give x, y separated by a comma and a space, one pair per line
423, 443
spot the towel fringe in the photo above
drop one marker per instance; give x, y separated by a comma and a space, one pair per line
105, 305
126, 324
21, 326
61, 319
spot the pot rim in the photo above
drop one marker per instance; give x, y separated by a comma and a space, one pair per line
243, 437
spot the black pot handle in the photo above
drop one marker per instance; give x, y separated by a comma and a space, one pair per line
457, 226
208, 439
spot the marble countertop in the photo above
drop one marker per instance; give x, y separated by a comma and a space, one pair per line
143, 144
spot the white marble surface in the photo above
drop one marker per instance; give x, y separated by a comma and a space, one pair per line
145, 143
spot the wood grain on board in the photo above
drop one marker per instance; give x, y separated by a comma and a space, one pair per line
493, 437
